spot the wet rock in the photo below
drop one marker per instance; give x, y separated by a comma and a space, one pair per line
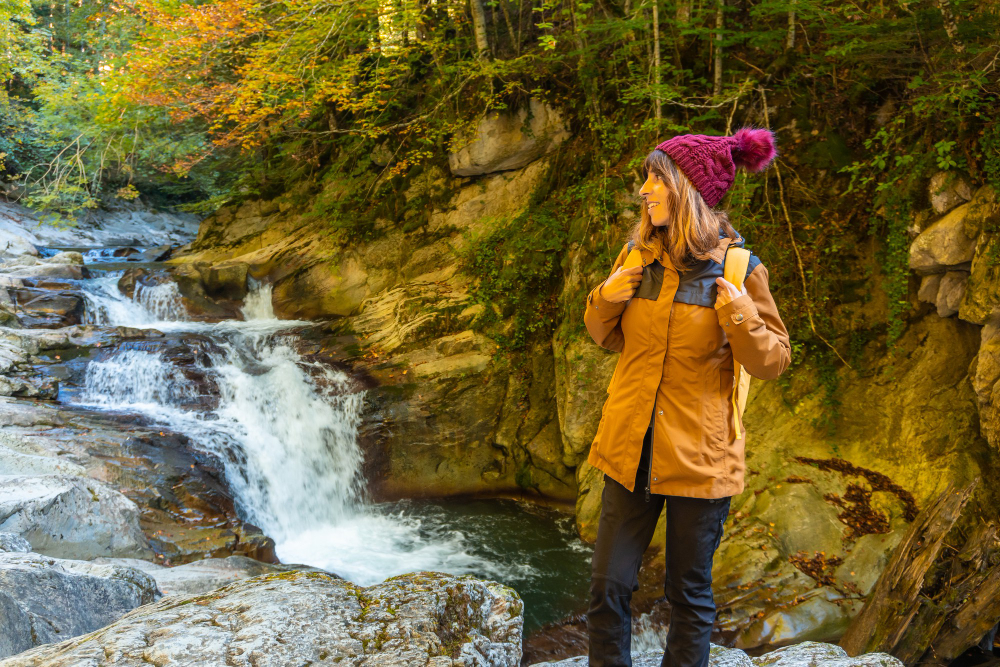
124, 252
500, 141
202, 576
55, 600
944, 244
46, 309
69, 517
11, 543
227, 281
311, 618
199, 306
157, 254
185, 508
947, 190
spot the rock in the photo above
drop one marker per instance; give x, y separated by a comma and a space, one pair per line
985, 373
718, 656
929, 285
46, 309
56, 600
300, 618
982, 294
11, 543
157, 254
53, 272
202, 576
944, 244
947, 190
796, 557
381, 155
504, 140
66, 257
808, 654
70, 517
227, 281
950, 292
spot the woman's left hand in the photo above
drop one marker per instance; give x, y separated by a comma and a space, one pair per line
727, 292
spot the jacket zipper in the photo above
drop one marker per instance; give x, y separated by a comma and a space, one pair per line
649, 470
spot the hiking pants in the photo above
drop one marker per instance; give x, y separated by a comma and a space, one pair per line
694, 530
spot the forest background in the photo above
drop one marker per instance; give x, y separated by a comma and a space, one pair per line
212, 103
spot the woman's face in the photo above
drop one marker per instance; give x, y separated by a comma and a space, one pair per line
654, 194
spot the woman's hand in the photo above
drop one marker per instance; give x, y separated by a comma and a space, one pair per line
727, 292
622, 284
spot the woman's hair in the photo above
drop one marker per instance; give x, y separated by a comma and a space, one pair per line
693, 230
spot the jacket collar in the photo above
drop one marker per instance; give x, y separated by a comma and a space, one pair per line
717, 254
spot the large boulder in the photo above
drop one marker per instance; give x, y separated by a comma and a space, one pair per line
946, 243
45, 600
504, 140
71, 517
301, 618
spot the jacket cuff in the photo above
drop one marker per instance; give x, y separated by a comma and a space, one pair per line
605, 308
736, 312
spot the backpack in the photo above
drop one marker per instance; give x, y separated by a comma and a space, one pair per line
734, 267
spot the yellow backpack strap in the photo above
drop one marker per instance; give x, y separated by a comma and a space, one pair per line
734, 269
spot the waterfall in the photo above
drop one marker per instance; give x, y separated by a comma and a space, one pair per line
285, 429
106, 305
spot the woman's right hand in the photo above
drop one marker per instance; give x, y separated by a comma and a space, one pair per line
621, 285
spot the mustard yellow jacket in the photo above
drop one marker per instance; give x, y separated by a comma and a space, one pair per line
676, 365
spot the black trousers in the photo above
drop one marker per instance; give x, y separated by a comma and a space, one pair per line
694, 530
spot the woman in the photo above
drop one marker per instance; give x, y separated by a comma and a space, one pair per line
668, 434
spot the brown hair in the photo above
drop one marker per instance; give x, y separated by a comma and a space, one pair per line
693, 230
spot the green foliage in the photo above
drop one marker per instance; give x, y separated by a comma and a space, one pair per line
516, 265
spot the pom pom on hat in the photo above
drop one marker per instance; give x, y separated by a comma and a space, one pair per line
710, 162
754, 149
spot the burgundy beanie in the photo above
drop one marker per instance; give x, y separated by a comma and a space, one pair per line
710, 162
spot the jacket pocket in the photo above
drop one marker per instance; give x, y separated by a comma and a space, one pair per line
720, 425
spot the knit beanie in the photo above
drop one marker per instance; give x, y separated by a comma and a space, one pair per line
710, 162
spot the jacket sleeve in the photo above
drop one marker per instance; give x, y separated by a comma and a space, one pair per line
755, 331
602, 317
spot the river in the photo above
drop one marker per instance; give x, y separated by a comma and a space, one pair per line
286, 431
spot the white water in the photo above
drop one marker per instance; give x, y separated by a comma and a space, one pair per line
286, 430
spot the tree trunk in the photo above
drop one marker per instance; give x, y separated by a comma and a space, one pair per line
717, 87
790, 37
514, 38
929, 608
479, 27
657, 77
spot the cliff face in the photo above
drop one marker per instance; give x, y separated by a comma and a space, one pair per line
821, 510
